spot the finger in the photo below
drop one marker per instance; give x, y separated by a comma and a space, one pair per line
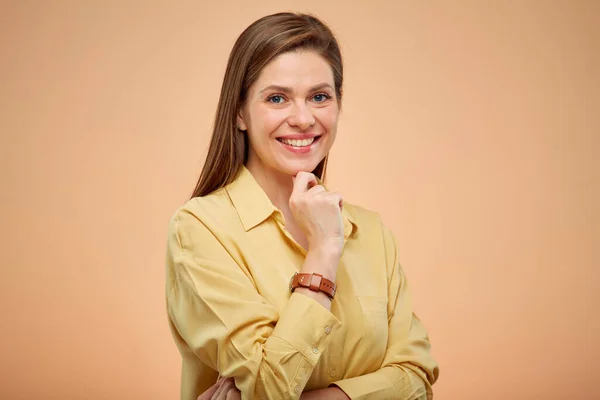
313, 191
310, 183
303, 181
338, 199
234, 394
221, 393
211, 390
335, 198
229, 388
221, 380
313, 183
217, 393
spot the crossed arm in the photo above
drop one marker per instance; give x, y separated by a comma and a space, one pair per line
270, 353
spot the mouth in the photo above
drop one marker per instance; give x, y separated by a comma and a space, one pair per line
300, 143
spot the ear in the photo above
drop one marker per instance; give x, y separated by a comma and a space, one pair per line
241, 123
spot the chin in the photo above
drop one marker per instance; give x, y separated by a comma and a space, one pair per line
293, 169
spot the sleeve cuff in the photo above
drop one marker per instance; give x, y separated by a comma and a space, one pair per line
371, 386
386, 383
307, 326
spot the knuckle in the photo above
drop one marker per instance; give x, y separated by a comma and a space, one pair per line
335, 198
298, 202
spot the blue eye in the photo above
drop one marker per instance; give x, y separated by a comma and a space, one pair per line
276, 99
321, 97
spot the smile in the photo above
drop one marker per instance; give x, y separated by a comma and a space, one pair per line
304, 146
297, 143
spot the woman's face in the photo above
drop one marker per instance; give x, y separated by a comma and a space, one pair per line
291, 114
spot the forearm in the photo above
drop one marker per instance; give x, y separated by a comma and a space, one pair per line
264, 360
286, 359
332, 393
391, 382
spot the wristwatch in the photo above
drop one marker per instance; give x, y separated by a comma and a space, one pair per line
314, 282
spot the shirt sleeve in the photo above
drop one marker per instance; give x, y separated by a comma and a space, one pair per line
408, 370
216, 309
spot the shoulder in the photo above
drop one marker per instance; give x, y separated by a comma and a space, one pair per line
200, 217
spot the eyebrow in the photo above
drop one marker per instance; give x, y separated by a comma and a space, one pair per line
285, 89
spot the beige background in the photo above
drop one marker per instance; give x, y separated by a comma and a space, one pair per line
473, 127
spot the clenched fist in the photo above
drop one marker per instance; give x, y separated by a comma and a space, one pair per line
318, 214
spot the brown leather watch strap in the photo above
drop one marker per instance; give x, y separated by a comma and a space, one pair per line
314, 282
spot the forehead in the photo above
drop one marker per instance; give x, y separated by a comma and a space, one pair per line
296, 69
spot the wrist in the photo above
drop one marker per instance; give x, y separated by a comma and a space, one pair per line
328, 249
323, 261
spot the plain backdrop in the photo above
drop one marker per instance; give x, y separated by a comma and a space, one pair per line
472, 127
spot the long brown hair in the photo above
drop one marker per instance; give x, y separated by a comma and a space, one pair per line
260, 43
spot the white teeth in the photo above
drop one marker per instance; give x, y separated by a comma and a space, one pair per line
298, 143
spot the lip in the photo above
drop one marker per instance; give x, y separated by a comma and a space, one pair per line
299, 136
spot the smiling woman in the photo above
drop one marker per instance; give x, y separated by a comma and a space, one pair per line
298, 114
276, 288
301, 143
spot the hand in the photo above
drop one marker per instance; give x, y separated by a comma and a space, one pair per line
318, 214
224, 389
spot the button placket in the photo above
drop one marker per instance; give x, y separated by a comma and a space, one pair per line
280, 219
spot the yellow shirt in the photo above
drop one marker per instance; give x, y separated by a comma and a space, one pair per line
229, 264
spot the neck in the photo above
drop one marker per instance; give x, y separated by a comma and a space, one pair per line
277, 185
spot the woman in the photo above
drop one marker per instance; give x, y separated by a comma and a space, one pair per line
273, 283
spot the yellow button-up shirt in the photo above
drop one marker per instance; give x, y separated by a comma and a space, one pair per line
228, 268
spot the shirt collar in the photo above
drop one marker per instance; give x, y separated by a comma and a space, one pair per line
249, 199
254, 206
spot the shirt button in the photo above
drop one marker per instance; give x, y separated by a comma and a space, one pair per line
328, 330
297, 389
332, 372
315, 350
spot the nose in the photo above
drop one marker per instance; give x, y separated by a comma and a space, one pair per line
301, 116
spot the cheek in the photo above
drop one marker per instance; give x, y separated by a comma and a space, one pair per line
329, 119
265, 121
